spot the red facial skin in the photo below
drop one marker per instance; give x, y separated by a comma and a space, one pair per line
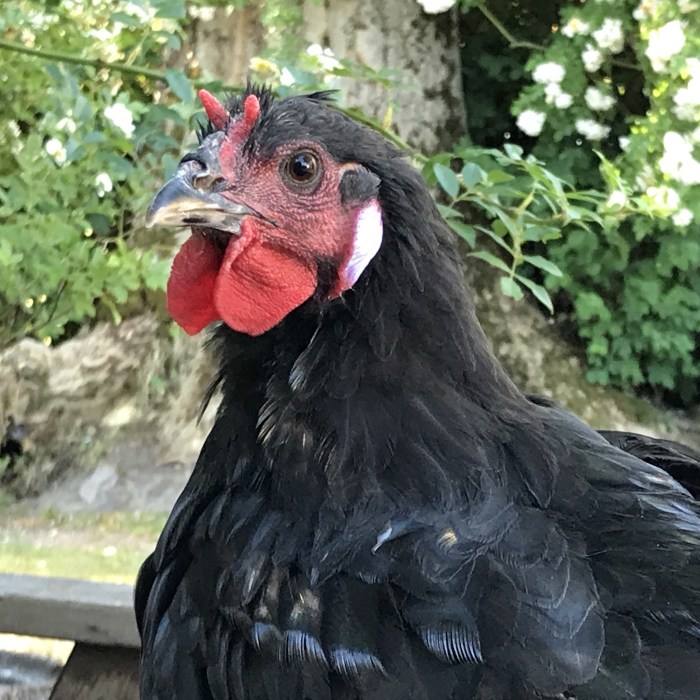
270, 268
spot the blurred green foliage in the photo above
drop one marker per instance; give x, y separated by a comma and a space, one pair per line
617, 81
82, 148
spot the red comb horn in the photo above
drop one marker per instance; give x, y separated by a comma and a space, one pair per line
241, 128
216, 112
251, 111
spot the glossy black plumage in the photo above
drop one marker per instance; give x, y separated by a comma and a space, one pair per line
379, 514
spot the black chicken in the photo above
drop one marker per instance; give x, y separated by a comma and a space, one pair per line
378, 512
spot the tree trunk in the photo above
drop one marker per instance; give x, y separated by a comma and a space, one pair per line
398, 36
393, 35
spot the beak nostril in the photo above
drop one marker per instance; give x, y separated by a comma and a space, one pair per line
205, 181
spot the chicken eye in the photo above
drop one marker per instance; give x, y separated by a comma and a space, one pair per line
302, 168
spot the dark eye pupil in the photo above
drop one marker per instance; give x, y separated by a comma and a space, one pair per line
302, 167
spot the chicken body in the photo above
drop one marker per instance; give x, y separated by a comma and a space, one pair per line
378, 512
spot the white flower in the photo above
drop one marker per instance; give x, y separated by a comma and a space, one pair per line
591, 129
692, 65
682, 217
325, 57
686, 102
665, 42
435, 7
592, 58
689, 172
575, 26
610, 37
677, 161
14, 128
563, 101
144, 14
687, 99
549, 73
103, 184
56, 150
664, 198
598, 100
203, 14
694, 136
624, 142
121, 117
108, 50
551, 91
645, 10
617, 199
554, 95
531, 122
286, 77
686, 6
66, 124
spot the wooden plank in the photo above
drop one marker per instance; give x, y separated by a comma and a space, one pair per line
99, 673
84, 611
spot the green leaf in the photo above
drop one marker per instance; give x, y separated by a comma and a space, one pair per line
463, 230
496, 177
543, 264
540, 293
94, 137
447, 179
511, 288
170, 9
541, 233
513, 151
179, 84
471, 175
491, 259
125, 19
448, 212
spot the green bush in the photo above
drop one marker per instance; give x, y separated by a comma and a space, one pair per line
82, 151
623, 80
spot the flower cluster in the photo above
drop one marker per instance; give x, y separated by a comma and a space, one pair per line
121, 117
325, 57
575, 26
531, 122
103, 184
56, 150
687, 99
592, 58
610, 37
677, 161
664, 43
591, 129
547, 73
597, 100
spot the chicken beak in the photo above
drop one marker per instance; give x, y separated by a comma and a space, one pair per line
180, 203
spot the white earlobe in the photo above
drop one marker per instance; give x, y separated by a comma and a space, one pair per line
365, 244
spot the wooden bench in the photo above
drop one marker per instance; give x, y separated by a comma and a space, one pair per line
98, 617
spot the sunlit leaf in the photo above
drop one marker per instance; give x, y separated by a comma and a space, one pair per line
471, 175
543, 264
511, 288
491, 259
463, 230
179, 84
447, 179
538, 291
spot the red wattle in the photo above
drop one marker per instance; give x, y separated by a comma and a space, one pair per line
258, 284
251, 286
190, 291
